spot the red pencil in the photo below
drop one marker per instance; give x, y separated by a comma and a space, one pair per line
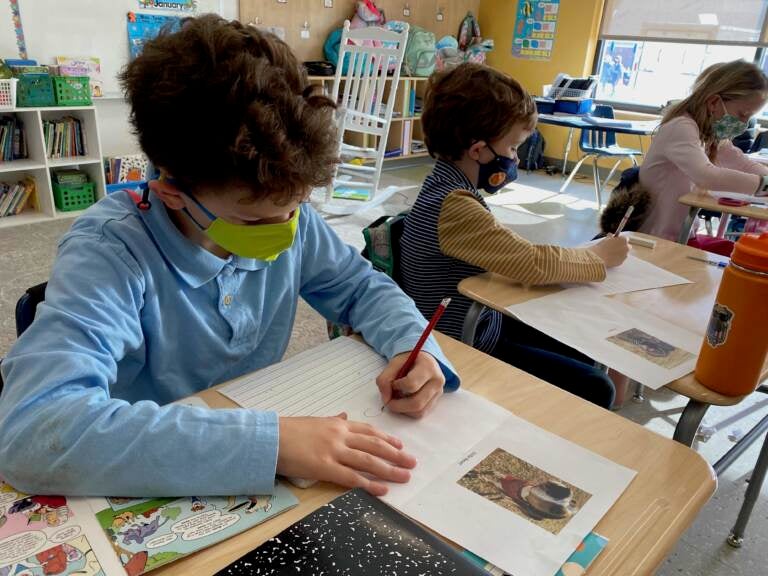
405, 368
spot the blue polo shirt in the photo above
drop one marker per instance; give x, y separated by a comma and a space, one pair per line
137, 316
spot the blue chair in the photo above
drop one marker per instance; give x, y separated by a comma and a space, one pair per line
26, 307
596, 144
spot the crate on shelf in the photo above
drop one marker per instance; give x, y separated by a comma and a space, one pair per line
72, 90
73, 197
8, 93
35, 90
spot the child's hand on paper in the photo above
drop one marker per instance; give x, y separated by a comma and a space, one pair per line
419, 389
612, 249
351, 454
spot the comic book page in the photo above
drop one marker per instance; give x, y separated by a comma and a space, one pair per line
41, 535
148, 533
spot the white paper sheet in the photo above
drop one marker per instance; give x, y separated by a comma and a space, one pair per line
513, 540
744, 197
634, 275
614, 334
461, 430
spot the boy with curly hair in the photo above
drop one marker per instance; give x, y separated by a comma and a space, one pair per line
198, 283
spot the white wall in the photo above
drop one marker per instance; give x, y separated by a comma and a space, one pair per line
88, 28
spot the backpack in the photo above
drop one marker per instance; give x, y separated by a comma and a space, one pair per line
420, 52
531, 152
469, 30
382, 244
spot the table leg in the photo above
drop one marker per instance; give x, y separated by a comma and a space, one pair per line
567, 150
686, 428
470, 323
685, 230
736, 537
638, 395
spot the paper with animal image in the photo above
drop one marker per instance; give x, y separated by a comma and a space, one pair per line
463, 427
148, 533
536, 495
646, 348
42, 535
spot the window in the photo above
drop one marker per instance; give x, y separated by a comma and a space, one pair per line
651, 52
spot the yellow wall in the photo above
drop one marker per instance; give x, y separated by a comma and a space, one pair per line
573, 53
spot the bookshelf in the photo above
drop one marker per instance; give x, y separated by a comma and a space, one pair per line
406, 124
41, 206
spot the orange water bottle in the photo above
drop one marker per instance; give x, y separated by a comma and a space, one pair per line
736, 343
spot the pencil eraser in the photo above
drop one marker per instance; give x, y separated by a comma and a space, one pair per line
301, 482
647, 243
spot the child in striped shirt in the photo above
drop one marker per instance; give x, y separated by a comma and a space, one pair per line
474, 119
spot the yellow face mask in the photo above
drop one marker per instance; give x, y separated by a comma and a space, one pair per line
259, 241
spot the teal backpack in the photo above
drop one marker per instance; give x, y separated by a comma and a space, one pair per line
420, 52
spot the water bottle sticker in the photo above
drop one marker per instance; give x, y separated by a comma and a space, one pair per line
719, 325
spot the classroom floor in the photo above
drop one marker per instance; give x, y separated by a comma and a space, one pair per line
568, 219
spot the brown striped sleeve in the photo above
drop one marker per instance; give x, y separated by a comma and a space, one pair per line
469, 232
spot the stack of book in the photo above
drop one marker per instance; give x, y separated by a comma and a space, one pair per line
14, 197
64, 138
13, 143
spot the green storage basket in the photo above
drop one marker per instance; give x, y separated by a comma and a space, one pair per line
34, 90
72, 90
68, 198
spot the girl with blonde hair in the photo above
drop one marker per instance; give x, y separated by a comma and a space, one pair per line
692, 147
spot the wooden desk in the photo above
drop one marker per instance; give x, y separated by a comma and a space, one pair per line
672, 484
702, 201
686, 305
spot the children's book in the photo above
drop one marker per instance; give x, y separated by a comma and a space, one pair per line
354, 534
347, 193
149, 532
84, 66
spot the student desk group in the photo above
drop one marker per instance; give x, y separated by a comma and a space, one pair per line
673, 482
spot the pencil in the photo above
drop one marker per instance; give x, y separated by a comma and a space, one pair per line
624, 220
405, 368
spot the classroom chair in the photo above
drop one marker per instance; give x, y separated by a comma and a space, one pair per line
26, 307
596, 144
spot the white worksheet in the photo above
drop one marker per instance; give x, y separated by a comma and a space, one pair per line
464, 434
640, 345
743, 197
633, 275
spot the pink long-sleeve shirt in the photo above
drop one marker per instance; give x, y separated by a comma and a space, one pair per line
676, 162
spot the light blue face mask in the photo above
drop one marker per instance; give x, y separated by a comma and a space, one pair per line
728, 127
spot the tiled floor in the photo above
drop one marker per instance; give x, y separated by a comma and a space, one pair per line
568, 219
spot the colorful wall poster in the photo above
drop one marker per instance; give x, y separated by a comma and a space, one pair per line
143, 27
535, 27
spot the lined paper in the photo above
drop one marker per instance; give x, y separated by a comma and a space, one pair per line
317, 382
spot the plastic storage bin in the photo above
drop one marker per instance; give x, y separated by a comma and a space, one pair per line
545, 105
8, 93
35, 90
72, 90
574, 106
68, 198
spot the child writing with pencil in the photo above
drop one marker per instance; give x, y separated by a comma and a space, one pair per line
692, 148
474, 119
197, 283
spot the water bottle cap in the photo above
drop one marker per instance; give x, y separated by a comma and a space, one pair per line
751, 252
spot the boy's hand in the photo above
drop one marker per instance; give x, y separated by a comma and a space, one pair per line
612, 249
345, 453
420, 388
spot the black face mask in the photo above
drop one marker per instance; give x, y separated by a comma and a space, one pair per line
497, 173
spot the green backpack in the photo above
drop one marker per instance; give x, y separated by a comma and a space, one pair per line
420, 52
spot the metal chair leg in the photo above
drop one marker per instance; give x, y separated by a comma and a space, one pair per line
685, 230
596, 177
610, 175
736, 537
573, 172
470, 323
689, 422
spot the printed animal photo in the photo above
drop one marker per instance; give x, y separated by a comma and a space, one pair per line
528, 491
651, 348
